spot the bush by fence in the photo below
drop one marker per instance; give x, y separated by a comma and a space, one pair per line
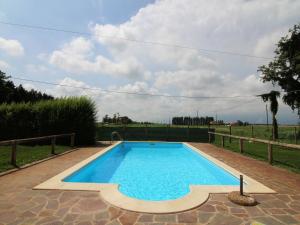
65, 115
154, 133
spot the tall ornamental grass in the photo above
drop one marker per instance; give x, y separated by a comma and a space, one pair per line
64, 115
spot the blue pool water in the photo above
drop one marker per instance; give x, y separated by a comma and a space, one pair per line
153, 171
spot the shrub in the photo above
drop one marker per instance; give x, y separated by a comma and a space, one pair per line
64, 115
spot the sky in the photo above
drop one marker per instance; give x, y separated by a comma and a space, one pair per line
114, 50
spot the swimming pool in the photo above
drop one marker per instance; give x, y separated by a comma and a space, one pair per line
152, 177
153, 171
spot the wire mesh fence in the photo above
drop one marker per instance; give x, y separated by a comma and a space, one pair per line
150, 133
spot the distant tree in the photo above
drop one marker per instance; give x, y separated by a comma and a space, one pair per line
10, 93
114, 119
191, 120
272, 98
6, 88
209, 119
117, 119
239, 123
125, 120
105, 119
246, 123
284, 70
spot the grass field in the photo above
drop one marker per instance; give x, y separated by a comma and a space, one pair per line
27, 154
282, 157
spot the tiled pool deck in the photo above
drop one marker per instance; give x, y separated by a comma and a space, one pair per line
19, 204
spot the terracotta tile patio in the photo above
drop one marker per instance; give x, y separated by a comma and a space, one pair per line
19, 204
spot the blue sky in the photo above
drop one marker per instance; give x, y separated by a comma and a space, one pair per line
68, 15
74, 15
114, 64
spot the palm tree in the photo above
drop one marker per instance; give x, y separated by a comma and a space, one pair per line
272, 97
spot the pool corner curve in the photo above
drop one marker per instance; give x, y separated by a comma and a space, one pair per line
193, 199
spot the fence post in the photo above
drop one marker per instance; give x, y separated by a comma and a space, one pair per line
295, 134
188, 132
241, 145
14, 153
270, 153
241, 185
223, 141
53, 140
72, 140
209, 137
230, 133
252, 132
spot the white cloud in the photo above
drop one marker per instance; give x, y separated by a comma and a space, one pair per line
73, 56
141, 107
266, 44
225, 25
11, 47
4, 65
249, 27
78, 57
71, 87
108, 102
210, 83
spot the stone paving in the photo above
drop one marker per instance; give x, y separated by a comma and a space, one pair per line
19, 204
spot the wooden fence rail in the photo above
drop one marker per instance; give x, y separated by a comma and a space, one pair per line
293, 132
53, 138
242, 139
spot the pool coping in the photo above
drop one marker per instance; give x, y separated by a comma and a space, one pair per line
110, 192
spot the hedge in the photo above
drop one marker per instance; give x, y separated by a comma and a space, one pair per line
64, 115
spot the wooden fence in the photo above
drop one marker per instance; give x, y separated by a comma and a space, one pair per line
242, 139
294, 130
53, 138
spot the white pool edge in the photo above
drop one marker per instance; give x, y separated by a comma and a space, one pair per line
198, 193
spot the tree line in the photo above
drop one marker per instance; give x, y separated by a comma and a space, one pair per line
10, 93
117, 119
187, 120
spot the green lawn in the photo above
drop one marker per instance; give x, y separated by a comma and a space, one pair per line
283, 157
27, 154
